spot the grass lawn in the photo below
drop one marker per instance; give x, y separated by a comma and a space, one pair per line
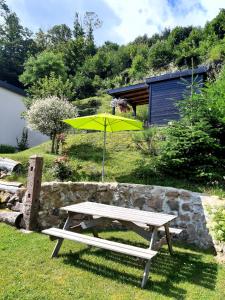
27, 272
124, 163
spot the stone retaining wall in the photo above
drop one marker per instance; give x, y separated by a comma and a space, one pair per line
188, 206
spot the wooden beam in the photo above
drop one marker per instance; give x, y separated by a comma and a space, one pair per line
137, 92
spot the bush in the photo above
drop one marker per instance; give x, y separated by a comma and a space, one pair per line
7, 149
147, 141
195, 145
61, 169
218, 223
22, 143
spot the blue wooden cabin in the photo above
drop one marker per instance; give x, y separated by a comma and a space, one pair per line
160, 93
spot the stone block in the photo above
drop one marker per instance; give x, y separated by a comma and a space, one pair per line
186, 207
172, 193
185, 218
185, 194
173, 204
139, 202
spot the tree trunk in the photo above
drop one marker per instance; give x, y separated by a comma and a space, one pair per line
53, 142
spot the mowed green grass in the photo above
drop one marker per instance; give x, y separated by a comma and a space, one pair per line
28, 272
124, 162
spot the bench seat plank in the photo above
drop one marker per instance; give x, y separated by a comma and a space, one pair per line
101, 243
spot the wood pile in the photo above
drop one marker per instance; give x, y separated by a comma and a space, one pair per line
11, 196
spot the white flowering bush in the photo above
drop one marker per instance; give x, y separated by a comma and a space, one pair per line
46, 115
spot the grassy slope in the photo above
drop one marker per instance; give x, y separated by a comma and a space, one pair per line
27, 272
85, 153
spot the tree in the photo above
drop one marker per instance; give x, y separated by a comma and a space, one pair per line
78, 30
41, 40
160, 55
15, 44
59, 34
179, 34
50, 86
139, 67
46, 115
44, 64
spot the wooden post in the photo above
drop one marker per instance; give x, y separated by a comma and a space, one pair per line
31, 204
149, 105
113, 110
134, 107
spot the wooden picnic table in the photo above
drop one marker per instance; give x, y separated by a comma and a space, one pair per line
92, 215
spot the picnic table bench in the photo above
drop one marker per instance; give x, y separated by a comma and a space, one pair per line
91, 215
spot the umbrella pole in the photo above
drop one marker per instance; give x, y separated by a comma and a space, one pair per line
103, 157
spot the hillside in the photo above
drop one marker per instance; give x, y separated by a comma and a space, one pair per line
124, 163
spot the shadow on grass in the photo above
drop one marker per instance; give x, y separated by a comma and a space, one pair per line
145, 175
86, 152
181, 267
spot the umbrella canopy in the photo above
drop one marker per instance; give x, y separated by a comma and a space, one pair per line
107, 123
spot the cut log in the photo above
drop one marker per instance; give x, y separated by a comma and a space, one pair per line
11, 187
9, 165
12, 218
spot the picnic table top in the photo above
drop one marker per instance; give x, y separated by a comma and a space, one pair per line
120, 213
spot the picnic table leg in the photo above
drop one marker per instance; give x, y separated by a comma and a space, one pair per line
148, 264
60, 241
168, 238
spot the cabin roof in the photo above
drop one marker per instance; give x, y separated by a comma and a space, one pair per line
139, 94
12, 88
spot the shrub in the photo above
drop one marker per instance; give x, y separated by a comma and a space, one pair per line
61, 169
147, 141
218, 223
22, 143
7, 149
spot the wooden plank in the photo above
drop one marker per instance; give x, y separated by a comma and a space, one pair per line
162, 229
120, 213
101, 243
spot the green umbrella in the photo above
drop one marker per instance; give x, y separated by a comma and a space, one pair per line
107, 123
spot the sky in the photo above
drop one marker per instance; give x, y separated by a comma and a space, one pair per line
123, 20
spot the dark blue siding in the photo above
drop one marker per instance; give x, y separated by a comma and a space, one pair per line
164, 96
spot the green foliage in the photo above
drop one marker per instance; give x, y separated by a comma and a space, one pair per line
160, 55
217, 25
139, 67
7, 148
179, 34
147, 141
15, 45
59, 34
195, 145
22, 143
45, 64
217, 53
218, 222
61, 170
88, 106
51, 85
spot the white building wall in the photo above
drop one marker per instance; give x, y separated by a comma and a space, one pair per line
11, 123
